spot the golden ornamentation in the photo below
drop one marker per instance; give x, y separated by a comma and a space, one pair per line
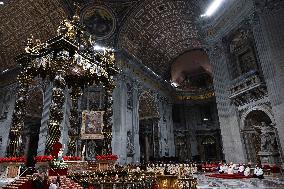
67, 60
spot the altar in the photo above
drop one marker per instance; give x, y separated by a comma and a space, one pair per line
167, 182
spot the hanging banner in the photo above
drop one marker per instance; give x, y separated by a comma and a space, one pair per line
92, 124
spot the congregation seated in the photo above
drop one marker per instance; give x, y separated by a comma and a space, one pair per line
183, 170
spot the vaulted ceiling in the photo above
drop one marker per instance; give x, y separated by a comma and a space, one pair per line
156, 32
20, 19
153, 31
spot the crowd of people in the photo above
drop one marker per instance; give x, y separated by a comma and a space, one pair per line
182, 170
187, 169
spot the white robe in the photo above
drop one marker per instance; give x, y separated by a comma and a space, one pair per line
247, 171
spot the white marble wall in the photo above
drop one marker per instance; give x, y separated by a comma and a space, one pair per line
126, 118
266, 21
268, 30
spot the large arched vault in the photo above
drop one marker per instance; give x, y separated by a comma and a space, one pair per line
156, 32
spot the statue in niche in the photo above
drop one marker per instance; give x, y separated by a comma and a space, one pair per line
268, 137
130, 146
166, 148
91, 150
239, 40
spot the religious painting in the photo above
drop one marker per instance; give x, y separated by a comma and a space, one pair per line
99, 21
92, 124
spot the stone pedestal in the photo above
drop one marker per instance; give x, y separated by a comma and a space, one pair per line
271, 158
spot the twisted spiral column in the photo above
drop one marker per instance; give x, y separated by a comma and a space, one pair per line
74, 121
107, 129
19, 113
56, 111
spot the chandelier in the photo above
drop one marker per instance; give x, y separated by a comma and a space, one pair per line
70, 62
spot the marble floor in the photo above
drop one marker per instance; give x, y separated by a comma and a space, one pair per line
5, 181
214, 183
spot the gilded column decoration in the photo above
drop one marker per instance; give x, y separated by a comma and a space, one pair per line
24, 80
67, 60
56, 112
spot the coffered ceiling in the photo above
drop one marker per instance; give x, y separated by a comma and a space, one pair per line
155, 32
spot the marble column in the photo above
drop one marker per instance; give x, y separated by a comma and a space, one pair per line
229, 122
47, 97
135, 122
119, 140
167, 146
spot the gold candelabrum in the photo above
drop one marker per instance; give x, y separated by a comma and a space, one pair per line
71, 63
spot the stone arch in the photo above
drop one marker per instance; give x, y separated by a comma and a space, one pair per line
250, 134
148, 111
264, 108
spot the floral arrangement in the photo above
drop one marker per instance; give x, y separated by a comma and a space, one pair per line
43, 158
37, 159
71, 158
58, 164
12, 159
107, 157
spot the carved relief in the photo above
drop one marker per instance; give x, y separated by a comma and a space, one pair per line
268, 137
268, 5
242, 55
129, 87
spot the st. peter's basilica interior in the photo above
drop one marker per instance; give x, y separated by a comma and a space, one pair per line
141, 94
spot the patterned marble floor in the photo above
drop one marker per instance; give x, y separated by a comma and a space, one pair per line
214, 183
5, 181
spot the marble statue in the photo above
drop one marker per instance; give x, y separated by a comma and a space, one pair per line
91, 150
130, 146
267, 135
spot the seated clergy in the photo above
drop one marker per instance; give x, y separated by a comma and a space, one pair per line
221, 168
225, 168
241, 169
235, 169
247, 171
258, 172
231, 169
